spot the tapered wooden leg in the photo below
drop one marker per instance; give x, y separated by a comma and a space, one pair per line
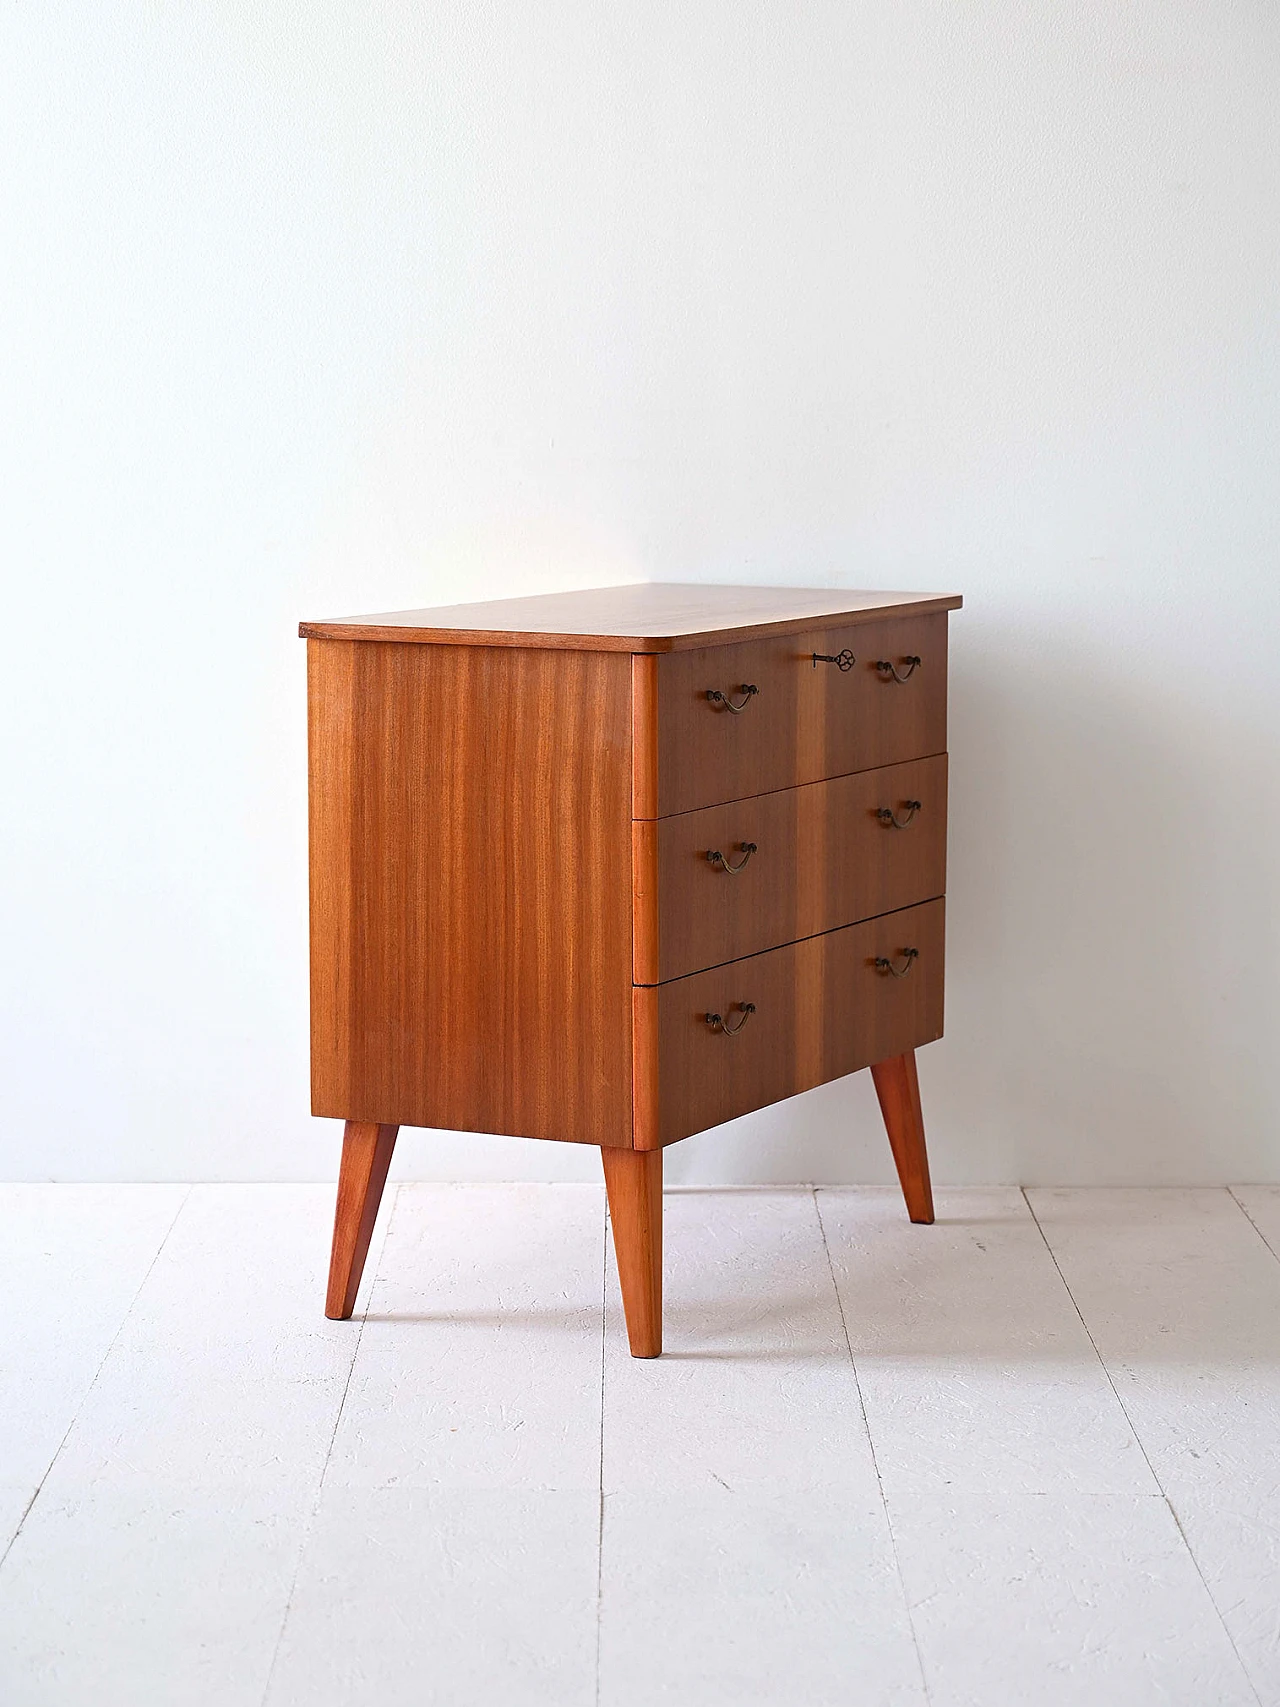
366, 1156
633, 1181
899, 1091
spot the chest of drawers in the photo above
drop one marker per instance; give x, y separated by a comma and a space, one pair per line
615, 866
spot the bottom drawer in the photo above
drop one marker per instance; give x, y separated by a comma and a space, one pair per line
822, 1008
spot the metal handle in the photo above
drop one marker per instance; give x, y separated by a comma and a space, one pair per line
746, 690
887, 815
717, 1022
717, 858
887, 669
844, 661
908, 954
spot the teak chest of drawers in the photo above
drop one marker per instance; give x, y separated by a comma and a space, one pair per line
566, 849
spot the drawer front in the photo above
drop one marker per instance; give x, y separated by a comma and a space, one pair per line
826, 854
807, 720
823, 1008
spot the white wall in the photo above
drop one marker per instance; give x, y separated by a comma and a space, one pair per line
316, 307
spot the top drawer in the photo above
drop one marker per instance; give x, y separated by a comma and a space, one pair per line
805, 720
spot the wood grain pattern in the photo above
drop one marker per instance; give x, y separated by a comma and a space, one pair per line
822, 1010
823, 859
644, 1069
471, 903
898, 1089
633, 1182
644, 736
646, 904
807, 721
366, 1156
647, 617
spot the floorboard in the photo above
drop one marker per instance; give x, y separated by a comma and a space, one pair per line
1047, 1472
977, 1372
444, 1597
460, 1511
734, 1465
750, 1598
156, 1563
72, 1259
1064, 1600
1261, 1203
1181, 1295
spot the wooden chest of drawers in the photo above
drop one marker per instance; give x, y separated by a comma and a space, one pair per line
565, 850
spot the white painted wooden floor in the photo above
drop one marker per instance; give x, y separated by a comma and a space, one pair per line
1031, 1454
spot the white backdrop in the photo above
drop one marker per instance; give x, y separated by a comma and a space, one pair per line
314, 308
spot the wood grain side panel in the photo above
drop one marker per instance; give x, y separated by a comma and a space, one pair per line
807, 721
824, 858
821, 1010
331, 743
471, 926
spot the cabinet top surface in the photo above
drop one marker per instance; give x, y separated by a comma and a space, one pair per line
645, 617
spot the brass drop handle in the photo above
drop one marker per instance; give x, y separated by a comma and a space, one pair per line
747, 690
888, 670
843, 661
909, 956
717, 1022
887, 815
717, 858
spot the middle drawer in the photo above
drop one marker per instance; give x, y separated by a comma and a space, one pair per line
825, 854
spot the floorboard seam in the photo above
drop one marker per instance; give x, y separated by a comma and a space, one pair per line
1053, 1257
1244, 1210
875, 1462
102, 1363
308, 1526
